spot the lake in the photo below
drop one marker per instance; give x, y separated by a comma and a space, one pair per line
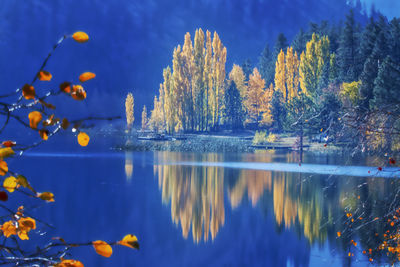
189, 209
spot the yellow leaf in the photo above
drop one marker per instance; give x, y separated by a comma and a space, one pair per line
86, 76
28, 91
48, 196
34, 118
80, 37
3, 167
6, 152
83, 139
10, 183
130, 241
44, 75
8, 229
102, 248
23, 235
69, 263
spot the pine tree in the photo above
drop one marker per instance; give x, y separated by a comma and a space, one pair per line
266, 65
234, 114
347, 52
300, 41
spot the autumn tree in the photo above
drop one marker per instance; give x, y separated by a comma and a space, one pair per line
312, 62
129, 105
256, 103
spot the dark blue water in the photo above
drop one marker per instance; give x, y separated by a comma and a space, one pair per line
204, 215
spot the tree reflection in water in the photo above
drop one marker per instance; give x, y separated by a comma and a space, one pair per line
353, 215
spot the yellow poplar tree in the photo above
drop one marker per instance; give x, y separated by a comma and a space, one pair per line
238, 77
292, 73
280, 75
129, 105
312, 63
198, 79
169, 100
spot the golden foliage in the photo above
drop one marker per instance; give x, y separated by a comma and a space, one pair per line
86, 76
20, 227
6, 152
48, 196
80, 37
8, 229
130, 241
129, 110
83, 139
10, 183
102, 248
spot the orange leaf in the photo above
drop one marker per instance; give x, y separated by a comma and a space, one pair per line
102, 248
48, 196
8, 229
9, 143
339, 234
44, 134
69, 263
28, 91
83, 139
3, 167
130, 241
34, 118
78, 93
66, 87
86, 76
44, 75
80, 37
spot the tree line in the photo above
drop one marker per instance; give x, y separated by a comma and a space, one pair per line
341, 81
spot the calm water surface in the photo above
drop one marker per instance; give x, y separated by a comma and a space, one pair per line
191, 209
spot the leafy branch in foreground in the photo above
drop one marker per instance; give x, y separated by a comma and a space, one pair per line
33, 111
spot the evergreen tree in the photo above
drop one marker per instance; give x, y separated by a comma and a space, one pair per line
395, 36
347, 52
233, 107
387, 86
266, 65
246, 67
278, 111
300, 41
280, 44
